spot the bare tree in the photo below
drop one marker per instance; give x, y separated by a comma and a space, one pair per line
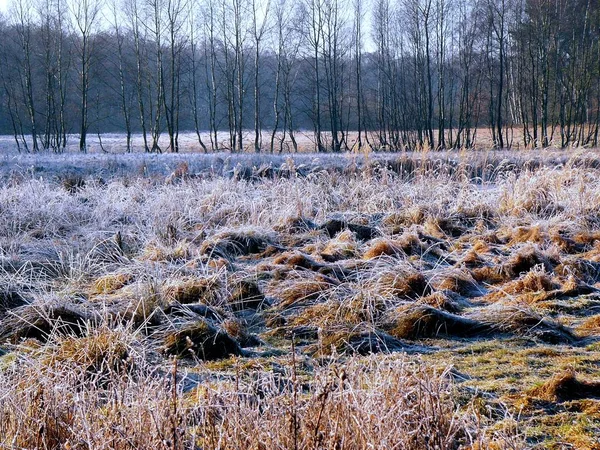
497, 42
359, 17
156, 30
425, 75
442, 10
125, 109
193, 52
22, 12
313, 26
287, 45
240, 11
335, 43
10, 85
86, 14
210, 54
260, 20
134, 12
175, 10
470, 77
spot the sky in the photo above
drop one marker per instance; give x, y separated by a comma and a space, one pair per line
3, 5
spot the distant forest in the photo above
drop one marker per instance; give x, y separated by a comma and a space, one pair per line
390, 74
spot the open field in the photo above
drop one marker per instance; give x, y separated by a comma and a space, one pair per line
480, 165
115, 143
408, 301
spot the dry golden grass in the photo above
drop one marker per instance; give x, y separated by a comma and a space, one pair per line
443, 300
564, 387
302, 290
108, 284
401, 283
458, 281
423, 321
99, 352
297, 260
403, 401
383, 247
342, 246
533, 286
194, 290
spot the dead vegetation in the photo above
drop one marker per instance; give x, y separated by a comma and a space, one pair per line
524, 259
41, 320
245, 294
298, 260
357, 342
108, 284
384, 247
566, 386
401, 283
194, 290
233, 244
523, 321
342, 246
409, 404
270, 291
200, 339
301, 290
423, 321
458, 281
98, 353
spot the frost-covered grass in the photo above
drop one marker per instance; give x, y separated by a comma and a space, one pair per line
339, 304
483, 164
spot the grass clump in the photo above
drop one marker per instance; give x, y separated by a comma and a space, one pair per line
297, 260
523, 321
200, 339
383, 247
333, 227
458, 281
110, 283
353, 308
100, 351
532, 286
413, 215
194, 290
295, 225
39, 321
423, 321
590, 326
566, 386
342, 246
582, 269
357, 341
233, 244
402, 284
526, 234
246, 294
524, 259
301, 291
238, 330
444, 300
410, 243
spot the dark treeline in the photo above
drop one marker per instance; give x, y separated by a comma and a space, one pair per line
389, 74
